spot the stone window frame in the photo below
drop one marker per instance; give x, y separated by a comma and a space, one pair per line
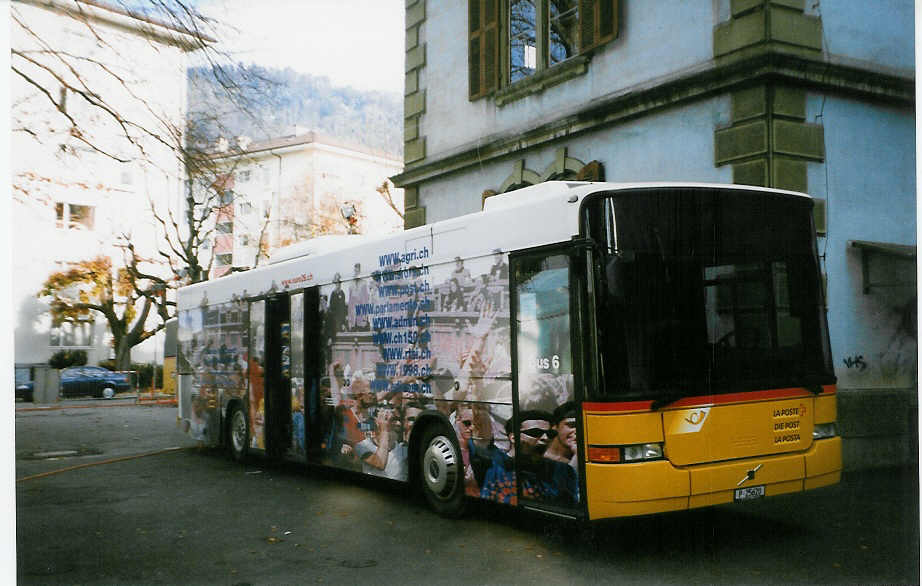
562, 168
489, 47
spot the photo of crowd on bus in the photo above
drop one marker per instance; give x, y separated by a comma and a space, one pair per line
456, 361
256, 371
544, 438
369, 396
363, 430
212, 352
548, 462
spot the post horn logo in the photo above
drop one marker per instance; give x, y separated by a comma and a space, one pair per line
696, 417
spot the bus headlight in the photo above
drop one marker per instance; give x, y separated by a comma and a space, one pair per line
824, 430
639, 452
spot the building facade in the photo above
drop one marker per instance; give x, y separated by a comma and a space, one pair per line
809, 96
289, 189
78, 183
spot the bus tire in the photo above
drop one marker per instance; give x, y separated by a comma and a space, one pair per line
238, 433
441, 471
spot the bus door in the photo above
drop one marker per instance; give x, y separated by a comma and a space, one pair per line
277, 388
315, 396
545, 406
256, 369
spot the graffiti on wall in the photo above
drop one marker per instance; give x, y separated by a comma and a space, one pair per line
895, 363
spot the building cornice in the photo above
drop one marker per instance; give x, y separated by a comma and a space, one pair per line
753, 65
303, 141
115, 15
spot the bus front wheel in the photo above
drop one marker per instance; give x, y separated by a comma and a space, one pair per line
441, 471
238, 434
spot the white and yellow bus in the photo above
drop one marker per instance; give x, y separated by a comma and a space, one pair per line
590, 350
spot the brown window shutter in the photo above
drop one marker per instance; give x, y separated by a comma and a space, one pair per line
608, 20
483, 47
598, 23
473, 55
587, 9
474, 85
491, 45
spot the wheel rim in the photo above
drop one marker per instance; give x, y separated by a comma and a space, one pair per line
239, 431
440, 467
108, 393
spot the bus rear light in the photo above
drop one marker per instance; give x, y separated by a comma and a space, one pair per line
618, 454
824, 430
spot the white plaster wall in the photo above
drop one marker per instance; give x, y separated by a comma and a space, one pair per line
880, 32
357, 177
656, 38
672, 145
869, 182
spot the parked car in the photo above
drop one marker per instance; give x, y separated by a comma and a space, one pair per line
93, 380
25, 389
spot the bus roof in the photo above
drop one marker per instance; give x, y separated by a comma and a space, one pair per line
545, 213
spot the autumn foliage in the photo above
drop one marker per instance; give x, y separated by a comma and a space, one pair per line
123, 296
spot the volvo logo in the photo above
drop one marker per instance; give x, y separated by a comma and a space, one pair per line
750, 475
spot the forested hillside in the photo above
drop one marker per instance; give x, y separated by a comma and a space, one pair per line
262, 102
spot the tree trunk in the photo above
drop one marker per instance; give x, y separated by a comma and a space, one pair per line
123, 357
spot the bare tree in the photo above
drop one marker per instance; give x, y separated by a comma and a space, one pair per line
79, 94
384, 190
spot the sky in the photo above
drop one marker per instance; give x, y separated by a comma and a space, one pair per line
358, 43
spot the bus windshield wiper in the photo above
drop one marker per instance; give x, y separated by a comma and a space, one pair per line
667, 399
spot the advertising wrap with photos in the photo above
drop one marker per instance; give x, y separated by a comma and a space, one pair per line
414, 337
387, 343
213, 354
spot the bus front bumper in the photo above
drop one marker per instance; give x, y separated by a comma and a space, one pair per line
618, 490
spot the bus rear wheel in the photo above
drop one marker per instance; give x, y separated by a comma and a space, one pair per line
238, 434
441, 471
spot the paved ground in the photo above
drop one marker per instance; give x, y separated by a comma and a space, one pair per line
194, 517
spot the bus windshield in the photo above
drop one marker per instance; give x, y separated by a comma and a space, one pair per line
704, 291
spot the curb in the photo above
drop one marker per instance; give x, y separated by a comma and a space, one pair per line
152, 403
168, 402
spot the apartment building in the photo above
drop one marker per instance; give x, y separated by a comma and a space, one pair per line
78, 182
288, 189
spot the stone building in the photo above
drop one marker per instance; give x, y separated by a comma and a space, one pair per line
815, 96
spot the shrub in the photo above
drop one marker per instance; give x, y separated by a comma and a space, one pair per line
142, 373
67, 358
146, 372
110, 364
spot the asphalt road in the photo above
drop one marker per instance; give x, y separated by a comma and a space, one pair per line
191, 516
